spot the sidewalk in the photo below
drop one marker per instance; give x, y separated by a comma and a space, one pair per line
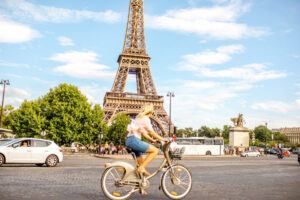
128, 156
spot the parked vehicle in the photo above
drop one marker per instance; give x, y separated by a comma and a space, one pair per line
282, 152
31, 150
296, 151
2, 141
250, 154
273, 151
299, 157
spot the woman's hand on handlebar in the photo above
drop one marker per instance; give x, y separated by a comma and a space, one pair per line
166, 140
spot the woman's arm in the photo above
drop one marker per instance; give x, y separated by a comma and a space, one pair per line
145, 134
155, 135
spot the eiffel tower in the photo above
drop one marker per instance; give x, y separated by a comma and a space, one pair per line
135, 61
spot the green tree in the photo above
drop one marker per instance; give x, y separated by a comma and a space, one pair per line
27, 121
63, 113
207, 132
5, 115
225, 132
117, 131
186, 132
260, 133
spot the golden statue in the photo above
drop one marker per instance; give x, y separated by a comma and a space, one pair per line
239, 121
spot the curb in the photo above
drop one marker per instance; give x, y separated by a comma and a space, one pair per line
127, 157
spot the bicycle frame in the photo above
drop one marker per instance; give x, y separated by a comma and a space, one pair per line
132, 177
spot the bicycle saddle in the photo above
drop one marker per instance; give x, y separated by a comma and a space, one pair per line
129, 149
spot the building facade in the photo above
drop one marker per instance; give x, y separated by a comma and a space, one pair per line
293, 134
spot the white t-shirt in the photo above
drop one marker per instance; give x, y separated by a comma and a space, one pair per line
138, 126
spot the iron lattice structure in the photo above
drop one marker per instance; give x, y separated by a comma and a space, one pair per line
134, 60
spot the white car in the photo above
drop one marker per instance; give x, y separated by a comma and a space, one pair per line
31, 150
250, 153
2, 141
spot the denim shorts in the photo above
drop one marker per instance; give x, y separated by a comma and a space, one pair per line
137, 145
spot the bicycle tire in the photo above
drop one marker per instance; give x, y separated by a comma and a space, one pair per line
116, 195
180, 169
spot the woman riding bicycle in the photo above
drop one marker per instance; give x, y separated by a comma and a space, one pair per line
142, 126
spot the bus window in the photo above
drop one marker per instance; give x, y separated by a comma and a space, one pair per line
200, 141
208, 141
196, 141
184, 141
218, 142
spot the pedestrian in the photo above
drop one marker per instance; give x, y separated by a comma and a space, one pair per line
111, 144
106, 148
102, 149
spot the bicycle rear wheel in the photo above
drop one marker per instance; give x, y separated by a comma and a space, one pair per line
110, 183
180, 189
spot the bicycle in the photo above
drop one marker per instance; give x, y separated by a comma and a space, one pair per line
120, 179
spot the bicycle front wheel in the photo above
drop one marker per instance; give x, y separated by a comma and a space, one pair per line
111, 186
180, 185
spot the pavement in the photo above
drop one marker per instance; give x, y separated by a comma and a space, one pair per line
160, 156
214, 178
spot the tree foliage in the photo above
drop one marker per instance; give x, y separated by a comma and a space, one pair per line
5, 115
204, 131
117, 131
278, 138
63, 113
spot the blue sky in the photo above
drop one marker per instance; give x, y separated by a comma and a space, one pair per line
219, 57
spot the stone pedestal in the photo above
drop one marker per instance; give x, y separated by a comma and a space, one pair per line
239, 138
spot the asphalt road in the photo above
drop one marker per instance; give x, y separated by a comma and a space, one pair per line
78, 178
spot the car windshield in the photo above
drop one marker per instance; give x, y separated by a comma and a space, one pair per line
9, 142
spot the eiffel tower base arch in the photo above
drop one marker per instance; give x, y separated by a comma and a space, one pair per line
123, 103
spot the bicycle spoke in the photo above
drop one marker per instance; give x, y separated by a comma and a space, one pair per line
173, 190
112, 175
183, 183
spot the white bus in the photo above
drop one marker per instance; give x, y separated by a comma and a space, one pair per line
201, 145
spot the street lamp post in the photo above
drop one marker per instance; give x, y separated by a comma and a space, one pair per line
266, 134
170, 94
4, 82
100, 139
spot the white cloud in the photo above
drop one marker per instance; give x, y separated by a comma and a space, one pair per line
295, 56
26, 10
14, 96
208, 57
82, 65
218, 22
65, 41
277, 106
14, 92
252, 72
10, 64
197, 85
219, 1
298, 103
208, 95
12, 32
94, 93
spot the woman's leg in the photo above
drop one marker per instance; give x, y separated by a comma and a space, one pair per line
153, 151
140, 160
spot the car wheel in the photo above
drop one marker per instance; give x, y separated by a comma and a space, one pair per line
51, 161
208, 153
1, 159
246, 155
39, 164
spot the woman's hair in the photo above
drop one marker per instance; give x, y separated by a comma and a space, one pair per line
148, 109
